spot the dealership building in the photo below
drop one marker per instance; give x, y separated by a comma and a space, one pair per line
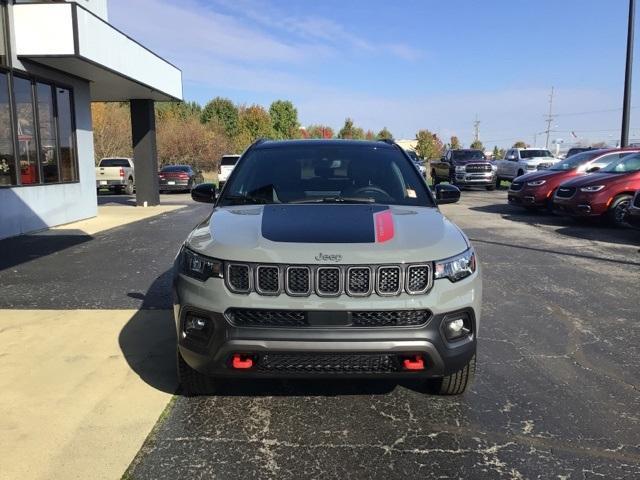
56, 57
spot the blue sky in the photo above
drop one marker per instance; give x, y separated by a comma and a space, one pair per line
406, 65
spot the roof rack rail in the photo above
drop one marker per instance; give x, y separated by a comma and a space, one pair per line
390, 141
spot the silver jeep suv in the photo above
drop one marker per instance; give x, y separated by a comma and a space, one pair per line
326, 258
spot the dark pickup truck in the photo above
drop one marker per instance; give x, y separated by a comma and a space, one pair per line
465, 168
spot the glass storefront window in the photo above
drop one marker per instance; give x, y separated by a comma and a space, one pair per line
65, 129
3, 34
27, 150
48, 142
7, 158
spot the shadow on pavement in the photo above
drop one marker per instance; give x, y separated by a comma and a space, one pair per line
25, 248
148, 340
585, 229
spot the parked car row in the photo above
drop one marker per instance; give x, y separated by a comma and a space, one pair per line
595, 184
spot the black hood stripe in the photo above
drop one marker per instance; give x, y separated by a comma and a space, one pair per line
320, 223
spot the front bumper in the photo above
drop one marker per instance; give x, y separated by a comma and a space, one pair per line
212, 355
529, 197
475, 179
581, 205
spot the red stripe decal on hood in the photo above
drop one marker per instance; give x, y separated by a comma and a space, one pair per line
383, 223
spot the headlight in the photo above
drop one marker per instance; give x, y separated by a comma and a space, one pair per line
592, 188
458, 267
494, 167
461, 169
198, 266
536, 183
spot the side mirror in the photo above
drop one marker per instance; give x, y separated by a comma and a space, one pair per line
205, 193
446, 194
593, 169
511, 157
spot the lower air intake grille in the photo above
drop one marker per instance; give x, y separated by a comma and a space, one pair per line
392, 318
241, 317
328, 363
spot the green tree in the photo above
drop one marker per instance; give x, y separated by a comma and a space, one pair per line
224, 112
429, 145
454, 143
369, 135
254, 122
519, 144
349, 130
319, 131
477, 145
284, 118
498, 153
385, 134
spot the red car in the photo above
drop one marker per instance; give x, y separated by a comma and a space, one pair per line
536, 189
605, 193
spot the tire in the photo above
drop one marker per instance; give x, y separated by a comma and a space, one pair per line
490, 187
498, 182
457, 382
129, 188
192, 382
618, 209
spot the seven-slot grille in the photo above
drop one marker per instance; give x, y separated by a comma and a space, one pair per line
566, 192
329, 280
478, 167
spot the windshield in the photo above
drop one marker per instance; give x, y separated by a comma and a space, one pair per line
326, 173
176, 168
630, 163
467, 155
114, 162
229, 161
535, 153
576, 160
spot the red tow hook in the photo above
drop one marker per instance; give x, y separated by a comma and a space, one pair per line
241, 362
413, 363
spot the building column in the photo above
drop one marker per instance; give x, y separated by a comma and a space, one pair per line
145, 153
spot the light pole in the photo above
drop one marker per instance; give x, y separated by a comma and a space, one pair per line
626, 106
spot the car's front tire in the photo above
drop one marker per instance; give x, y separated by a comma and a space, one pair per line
457, 382
193, 383
618, 210
490, 187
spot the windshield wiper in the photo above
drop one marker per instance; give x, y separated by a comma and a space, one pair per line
243, 200
336, 199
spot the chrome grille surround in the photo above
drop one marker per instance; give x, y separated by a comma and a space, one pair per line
388, 280
359, 281
294, 277
267, 280
329, 280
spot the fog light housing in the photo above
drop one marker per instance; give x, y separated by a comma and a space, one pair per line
197, 327
456, 327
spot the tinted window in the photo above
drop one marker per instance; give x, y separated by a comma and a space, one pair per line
7, 159
576, 160
291, 174
114, 162
27, 149
176, 168
535, 153
67, 144
467, 155
229, 161
629, 163
48, 140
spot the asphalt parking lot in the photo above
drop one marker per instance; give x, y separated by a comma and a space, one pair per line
557, 393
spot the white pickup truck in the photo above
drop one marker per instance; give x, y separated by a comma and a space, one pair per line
518, 161
116, 174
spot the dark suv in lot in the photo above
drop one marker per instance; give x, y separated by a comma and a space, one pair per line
327, 258
468, 168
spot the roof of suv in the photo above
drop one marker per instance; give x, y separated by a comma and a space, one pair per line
323, 142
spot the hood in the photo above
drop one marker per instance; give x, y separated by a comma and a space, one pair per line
594, 179
348, 234
464, 161
538, 160
544, 175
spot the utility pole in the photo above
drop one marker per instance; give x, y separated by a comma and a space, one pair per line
476, 129
550, 118
626, 104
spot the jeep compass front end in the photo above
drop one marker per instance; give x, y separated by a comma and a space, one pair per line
325, 259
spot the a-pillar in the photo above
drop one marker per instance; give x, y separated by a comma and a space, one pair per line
145, 153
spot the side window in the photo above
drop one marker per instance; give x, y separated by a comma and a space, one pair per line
606, 160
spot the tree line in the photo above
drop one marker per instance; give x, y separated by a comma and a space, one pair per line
188, 133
